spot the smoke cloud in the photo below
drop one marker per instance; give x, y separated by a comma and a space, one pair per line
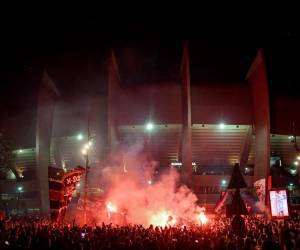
134, 190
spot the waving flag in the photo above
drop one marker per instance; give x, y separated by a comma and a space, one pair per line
62, 185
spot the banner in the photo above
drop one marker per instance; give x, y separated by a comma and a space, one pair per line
279, 203
221, 204
62, 186
260, 190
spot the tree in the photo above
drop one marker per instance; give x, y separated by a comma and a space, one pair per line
6, 155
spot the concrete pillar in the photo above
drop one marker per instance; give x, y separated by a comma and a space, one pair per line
186, 139
47, 95
257, 77
246, 148
56, 148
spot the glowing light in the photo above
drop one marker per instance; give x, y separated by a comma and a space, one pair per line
90, 143
84, 151
291, 184
149, 126
86, 146
112, 208
149, 182
124, 167
21, 176
20, 189
78, 185
20, 150
296, 163
176, 164
298, 157
222, 125
202, 218
162, 219
223, 182
79, 137
293, 171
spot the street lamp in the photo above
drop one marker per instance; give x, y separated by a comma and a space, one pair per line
85, 152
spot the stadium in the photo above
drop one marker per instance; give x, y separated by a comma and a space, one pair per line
200, 128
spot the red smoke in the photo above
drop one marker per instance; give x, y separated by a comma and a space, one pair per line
145, 198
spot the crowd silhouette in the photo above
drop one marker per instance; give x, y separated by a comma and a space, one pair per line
39, 233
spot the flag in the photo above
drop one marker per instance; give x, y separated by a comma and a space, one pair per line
221, 204
62, 185
236, 180
237, 206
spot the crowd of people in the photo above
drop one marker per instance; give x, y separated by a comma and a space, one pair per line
261, 233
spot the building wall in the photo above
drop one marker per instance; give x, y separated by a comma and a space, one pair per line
161, 103
213, 103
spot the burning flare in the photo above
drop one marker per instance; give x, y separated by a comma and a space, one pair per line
112, 208
162, 219
202, 218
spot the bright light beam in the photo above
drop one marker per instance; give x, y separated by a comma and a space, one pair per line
202, 218
222, 125
112, 208
149, 126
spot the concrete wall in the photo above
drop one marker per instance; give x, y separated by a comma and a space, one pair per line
211, 102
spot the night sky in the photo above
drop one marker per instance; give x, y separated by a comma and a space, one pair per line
74, 46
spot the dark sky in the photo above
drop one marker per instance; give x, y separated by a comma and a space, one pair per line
73, 47
147, 44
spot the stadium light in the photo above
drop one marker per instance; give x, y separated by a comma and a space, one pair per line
79, 137
223, 182
149, 126
293, 171
222, 125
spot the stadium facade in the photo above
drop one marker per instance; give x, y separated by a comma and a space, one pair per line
202, 128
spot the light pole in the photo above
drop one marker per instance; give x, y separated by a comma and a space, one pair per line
85, 152
18, 201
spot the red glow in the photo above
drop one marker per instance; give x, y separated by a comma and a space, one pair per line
162, 218
136, 198
112, 208
202, 218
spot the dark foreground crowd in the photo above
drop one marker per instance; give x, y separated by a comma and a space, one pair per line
28, 233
